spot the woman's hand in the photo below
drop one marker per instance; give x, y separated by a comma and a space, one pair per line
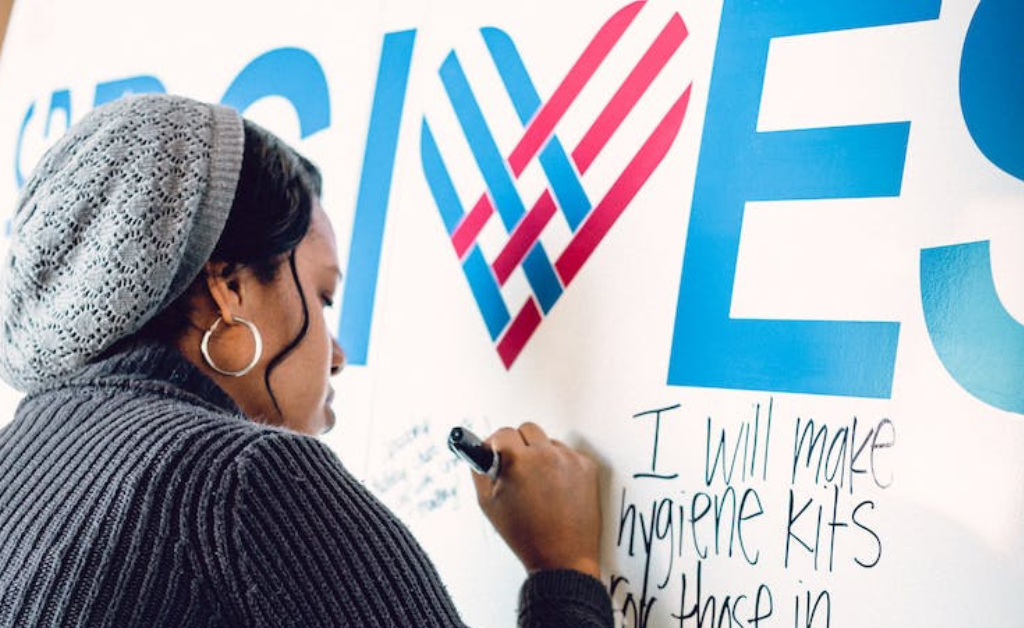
545, 502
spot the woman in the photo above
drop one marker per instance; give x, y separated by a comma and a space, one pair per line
161, 308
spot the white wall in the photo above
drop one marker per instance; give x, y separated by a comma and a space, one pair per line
918, 526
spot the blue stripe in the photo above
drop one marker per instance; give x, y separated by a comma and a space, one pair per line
374, 190
496, 175
441, 185
542, 277
513, 72
565, 181
481, 142
486, 292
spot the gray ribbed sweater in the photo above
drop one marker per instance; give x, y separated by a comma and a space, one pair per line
135, 493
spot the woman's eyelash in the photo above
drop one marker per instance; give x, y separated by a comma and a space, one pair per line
328, 301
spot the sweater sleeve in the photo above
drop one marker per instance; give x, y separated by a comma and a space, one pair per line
560, 598
300, 542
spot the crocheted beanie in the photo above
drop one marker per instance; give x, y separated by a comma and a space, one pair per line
115, 222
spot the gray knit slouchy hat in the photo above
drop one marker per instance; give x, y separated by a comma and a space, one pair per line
113, 225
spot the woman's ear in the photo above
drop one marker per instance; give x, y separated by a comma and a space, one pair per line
225, 289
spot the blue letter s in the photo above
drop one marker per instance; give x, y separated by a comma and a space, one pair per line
979, 343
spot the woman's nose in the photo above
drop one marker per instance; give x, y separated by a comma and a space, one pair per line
337, 357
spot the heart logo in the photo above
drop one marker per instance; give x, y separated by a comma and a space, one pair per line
565, 198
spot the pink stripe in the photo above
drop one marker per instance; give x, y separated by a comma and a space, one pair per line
466, 233
622, 191
525, 323
551, 112
524, 237
626, 97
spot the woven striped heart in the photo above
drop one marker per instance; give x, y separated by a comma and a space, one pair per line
565, 199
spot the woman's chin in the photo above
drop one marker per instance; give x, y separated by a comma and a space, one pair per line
329, 418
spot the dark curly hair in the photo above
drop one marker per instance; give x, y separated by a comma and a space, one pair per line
270, 214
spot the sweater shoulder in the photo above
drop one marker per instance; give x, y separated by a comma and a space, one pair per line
147, 429
153, 404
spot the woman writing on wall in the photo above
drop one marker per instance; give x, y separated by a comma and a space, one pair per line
161, 304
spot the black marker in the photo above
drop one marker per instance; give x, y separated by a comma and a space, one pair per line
470, 448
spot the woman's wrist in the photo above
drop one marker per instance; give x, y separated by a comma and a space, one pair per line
588, 566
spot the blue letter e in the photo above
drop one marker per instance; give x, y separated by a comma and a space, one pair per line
739, 164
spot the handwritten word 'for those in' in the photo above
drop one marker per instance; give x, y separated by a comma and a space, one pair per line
711, 610
708, 609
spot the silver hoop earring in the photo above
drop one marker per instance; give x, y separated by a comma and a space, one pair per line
204, 347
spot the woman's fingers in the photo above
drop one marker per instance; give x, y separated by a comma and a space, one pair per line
528, 434
484, 488
506, 439
532, 434
545, 502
